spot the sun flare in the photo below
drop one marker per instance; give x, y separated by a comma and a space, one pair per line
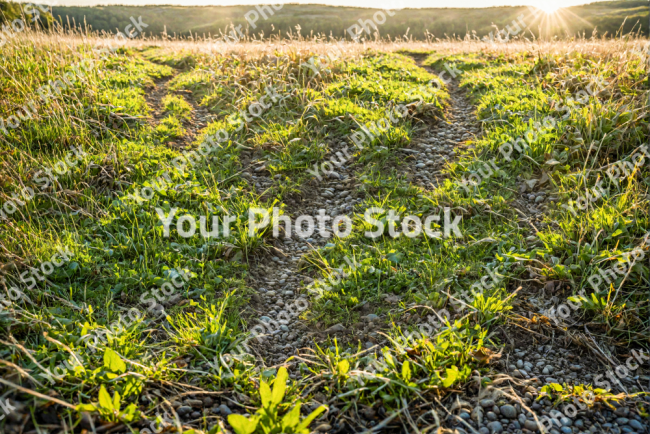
548, 6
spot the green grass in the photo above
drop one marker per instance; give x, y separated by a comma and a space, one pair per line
600, 130
120, 256
104, 210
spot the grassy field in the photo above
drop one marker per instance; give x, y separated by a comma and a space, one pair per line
118, 318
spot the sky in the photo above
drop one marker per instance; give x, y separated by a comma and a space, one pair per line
356, 3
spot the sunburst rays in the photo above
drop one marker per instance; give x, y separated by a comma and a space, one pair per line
550, 18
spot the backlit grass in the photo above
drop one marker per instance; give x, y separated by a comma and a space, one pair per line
93, 317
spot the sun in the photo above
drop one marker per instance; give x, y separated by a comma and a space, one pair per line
548, 6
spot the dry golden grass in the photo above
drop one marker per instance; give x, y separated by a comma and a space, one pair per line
322, 46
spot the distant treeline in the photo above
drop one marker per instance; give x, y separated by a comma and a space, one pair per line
27, 12
605, 17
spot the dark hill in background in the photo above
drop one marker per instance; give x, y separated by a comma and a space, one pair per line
606, 17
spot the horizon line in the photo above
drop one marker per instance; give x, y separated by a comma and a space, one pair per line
55, 4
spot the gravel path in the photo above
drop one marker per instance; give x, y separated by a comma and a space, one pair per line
277, 278
430, 151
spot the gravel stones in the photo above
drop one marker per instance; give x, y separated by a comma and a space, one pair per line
487, 403
183, 410
279, 284
224, 410
335, 329
531, 425
477, 415
495, 427
508, 411
636, 425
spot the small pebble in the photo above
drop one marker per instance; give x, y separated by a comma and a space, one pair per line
636, 424
531, 425
508, 411
495, 427
487, 403
184, 409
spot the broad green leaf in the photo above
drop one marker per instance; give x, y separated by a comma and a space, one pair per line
105, 400
113, 362
130, 414
291, 419
116, 401
452, 376
406, 371
464, 373
389, 360
279, 386
305, 423
242, 425
265, 394
132, 386
86, 407
343, 367
215, 430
